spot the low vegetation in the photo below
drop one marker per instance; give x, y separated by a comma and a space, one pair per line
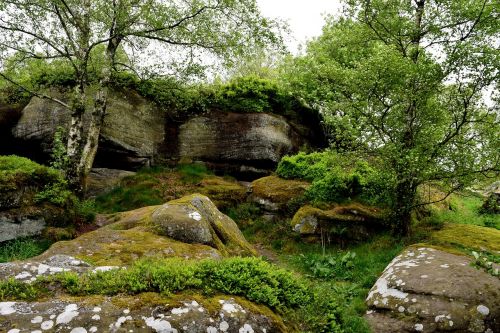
21, 249
337, 178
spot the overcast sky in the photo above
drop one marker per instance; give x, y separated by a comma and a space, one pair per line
305, 17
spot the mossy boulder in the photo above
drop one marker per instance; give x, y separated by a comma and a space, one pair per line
190, 227
347, 221
428, 290
195, 219
223, 192
275, 194
32, 197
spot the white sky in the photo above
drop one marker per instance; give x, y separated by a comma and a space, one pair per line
305, 17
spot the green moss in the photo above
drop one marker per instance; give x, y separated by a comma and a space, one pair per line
467, 236
279, 190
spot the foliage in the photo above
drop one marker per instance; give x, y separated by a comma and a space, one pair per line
465, 208
257, 280
58, 155
252, 278
332, 266
252, 94
18, 171
20, 249
337, 177
12, 288
491, 205
487, 261
404, 80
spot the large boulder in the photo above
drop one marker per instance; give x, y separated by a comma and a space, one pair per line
190, 227
195, 219
352, 221
429, 290
244, 144
131, 137
141, 313
274, 194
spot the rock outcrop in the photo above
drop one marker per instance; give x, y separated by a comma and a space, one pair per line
352, 221
277, 195
429, 290
132, 134
141, 313
137, 133
238, 143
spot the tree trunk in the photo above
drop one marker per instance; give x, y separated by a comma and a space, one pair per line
403, 206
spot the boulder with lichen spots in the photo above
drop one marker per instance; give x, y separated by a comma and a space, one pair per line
429, 290
146, 312
348, 221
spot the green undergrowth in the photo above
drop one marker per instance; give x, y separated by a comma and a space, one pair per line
22, 248
465, 208
311, 307
338, 177
341, 276
151, 186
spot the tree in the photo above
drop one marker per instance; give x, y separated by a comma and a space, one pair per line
92, 36
407, 81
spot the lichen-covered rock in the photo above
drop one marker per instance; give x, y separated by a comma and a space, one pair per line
131, 136
351, 221
273, 193
141, 313
103, 180
195, 219
429, 290
238, 143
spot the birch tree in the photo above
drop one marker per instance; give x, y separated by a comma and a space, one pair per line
79, 31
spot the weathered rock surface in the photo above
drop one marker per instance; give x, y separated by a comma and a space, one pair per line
137, 132
428, 290
243, 144
190, 227
275, 194
195, 219
352, 221
141, 313
103, 180
132, 134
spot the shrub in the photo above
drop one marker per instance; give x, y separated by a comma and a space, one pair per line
16, 171
336, 177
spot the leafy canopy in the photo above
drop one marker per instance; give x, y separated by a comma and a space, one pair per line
405, 80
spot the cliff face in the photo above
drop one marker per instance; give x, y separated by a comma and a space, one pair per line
138, 133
